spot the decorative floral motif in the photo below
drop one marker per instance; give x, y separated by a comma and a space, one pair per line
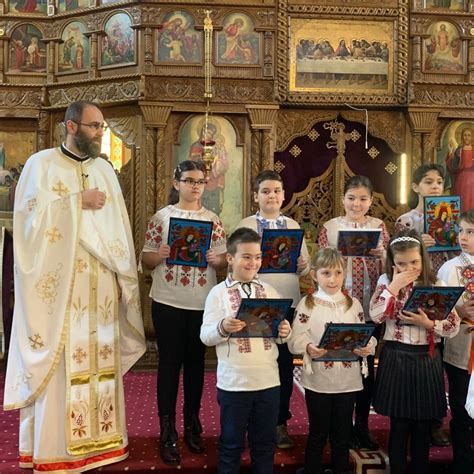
153, 235
328, 364
79, 411
53, 235
81, 265
346, 364
31, 204
118, 249
79, 355
303, 318
46, 287
105, 309
105, 352
243, 343
60, 189
79, 310
106, 411
36, 342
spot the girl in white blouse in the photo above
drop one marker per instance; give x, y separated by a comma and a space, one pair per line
330, 387
409, 386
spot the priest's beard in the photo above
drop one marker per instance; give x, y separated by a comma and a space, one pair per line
86, 145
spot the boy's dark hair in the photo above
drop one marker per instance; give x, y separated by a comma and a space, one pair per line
418, 175
243, 235
187, 165
76, 109
265, 175
402, 241
467, 216
359, 181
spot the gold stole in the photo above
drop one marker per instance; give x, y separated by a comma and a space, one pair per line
92, 359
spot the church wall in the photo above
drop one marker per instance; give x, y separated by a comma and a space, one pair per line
275, 83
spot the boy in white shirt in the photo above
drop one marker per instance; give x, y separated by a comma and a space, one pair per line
248, 384
459, 350
269, 195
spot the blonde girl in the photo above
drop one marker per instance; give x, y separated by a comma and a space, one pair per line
330, 387
360, 281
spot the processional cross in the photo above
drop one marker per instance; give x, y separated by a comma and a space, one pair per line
338, 141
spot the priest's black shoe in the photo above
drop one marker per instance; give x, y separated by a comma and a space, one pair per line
192, 434
168, 438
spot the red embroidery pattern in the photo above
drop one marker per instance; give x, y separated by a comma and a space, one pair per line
346, 365
218, 234
243, 344
153, 235
328, 365
358, 278
303, 318
361, 317
235, 299
323, 238
267, 344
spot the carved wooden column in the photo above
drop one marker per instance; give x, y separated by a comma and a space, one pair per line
148, 50
51, 55
155, 116
416, 57
94, 69
3, 44
43, 130
262, 119
470, 72
423, 122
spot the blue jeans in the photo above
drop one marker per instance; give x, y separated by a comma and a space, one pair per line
255, 412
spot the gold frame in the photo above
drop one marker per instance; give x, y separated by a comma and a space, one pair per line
395, 13
321, 30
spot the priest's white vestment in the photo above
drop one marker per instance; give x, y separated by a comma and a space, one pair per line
77, 325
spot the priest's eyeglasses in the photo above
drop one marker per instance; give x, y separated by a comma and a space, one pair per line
94, 125
193, 182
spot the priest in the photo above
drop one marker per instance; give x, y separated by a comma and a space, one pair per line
77, 325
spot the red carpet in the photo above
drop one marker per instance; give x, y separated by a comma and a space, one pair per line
140, 388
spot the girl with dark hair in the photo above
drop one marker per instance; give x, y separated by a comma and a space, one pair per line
360, 281
409, 387
428, 180
179, 293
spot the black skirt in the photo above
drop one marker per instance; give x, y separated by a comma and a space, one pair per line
409, 383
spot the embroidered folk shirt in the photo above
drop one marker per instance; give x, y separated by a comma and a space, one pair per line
362, 273
243, 364
407, 334
287, 284
176, 285
308, 327
459, 271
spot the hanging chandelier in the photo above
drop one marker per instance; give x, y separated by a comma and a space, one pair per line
207, 138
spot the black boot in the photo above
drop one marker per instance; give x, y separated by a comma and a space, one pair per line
192, 434
168, 437
363, 437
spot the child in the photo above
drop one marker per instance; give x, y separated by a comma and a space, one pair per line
179, 293
361, 278
248, 389
428, 180
458, 351
409, 387
269, 195
330, 387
